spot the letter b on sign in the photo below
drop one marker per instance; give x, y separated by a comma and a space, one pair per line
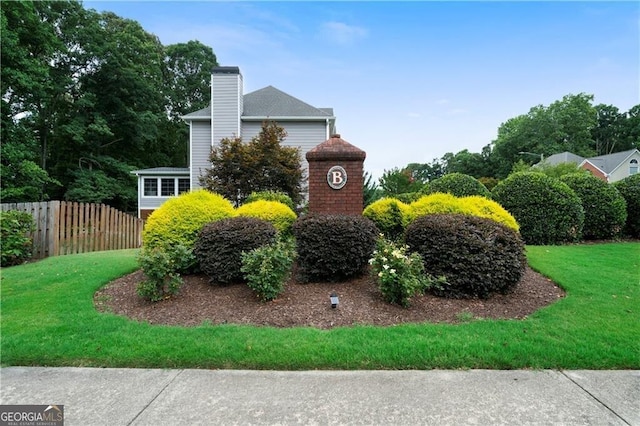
337, 177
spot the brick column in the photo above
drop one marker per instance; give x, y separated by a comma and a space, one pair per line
336, 177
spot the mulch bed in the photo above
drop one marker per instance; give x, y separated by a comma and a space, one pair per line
308, 304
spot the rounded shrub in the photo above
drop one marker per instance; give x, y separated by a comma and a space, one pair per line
477, 256
271, 196
434, 204
629, 188
220, 245
484, 207
458, 184
605, 210
333, 247
179, 220
390, 215
278, 214
547, 210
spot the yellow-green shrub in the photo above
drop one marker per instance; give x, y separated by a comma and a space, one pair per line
474, 205
437, 203
279, 214
179, 219
390, 215
483, 207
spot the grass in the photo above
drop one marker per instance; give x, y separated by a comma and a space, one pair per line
47, 318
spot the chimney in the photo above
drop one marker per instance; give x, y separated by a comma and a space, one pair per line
226, 103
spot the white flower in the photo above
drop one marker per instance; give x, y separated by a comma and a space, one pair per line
380, 274
393, 271
385, 266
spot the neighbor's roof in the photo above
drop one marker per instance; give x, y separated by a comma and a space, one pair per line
608, 163
563, 157
270, 102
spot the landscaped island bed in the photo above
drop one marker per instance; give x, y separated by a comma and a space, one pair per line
302, 305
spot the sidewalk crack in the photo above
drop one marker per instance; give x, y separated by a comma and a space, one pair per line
155, 397
594, 397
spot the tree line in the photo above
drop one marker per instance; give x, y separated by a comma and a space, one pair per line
572, 124
88, 97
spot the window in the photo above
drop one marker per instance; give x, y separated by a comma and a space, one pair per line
168, 187
150, 187
183, 185
633, 167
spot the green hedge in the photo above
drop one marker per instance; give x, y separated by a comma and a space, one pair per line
547, 210
605, 210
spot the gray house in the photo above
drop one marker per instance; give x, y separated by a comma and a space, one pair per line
609, 168
230, 114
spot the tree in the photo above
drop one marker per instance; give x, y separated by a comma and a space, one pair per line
187, 76
609, 131
426, 172
565, 125
631, 128
398, 181
468, 163
370, 190
238, 169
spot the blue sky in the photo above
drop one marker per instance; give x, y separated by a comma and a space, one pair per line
411, 81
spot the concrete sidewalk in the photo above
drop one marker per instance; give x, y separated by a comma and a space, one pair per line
95, 396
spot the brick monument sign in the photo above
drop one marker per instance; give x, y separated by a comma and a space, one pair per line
336, 177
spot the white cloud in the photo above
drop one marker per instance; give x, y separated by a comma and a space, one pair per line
341, 33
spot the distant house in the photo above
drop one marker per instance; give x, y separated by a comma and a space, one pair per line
233, 114
610, 168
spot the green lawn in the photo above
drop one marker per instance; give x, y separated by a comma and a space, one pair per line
47, 318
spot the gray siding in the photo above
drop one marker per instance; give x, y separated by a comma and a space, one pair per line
200, 150
303, 134
148, 203
226, 94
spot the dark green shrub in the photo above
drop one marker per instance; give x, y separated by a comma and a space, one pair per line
220, 244
162, 266
16, 245
629, 188
333, 247
605, 210
267, 268
547, 210
271, 196
458, 184
477, 256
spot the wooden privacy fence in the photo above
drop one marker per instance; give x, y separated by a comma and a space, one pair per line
67, 228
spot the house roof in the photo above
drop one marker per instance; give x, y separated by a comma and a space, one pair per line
563, 157
608, 163
270, 102
163, 171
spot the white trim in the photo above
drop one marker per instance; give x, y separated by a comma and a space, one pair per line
190, 153
283, 118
